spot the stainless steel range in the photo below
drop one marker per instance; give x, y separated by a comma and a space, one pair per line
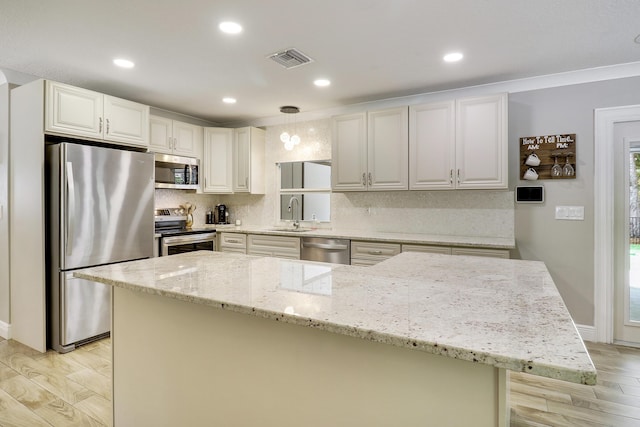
176, 238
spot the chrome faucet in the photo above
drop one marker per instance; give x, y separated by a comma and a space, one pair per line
294, 214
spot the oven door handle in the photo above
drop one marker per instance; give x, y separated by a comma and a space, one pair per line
188, 238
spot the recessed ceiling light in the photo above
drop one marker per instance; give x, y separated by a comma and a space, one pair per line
229, 100
124, 63
322, 82
453, 57
230, 27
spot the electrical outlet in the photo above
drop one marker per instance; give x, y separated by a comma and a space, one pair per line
571, 213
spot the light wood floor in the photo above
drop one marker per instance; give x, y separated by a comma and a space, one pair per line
51, 389
74, 390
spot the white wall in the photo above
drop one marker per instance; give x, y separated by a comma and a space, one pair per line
566, 247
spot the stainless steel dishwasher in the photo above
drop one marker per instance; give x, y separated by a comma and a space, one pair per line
337, 251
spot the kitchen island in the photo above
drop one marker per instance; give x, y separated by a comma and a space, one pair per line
209, 338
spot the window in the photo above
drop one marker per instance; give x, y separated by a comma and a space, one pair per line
310, 183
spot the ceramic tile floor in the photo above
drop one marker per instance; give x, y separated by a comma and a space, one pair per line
74, 389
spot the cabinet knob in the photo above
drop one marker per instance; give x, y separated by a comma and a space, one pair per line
100, 126
458, 176
364, 179
370, 180
107, 126
450, 176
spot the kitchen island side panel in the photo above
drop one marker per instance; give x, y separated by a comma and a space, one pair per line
178, 363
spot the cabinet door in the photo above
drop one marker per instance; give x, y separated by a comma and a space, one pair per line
217, 160
481, 142
370, 253
445, 250
349, 152
160, 135
233, 242
126, 121
432, 151
388, 149
187, 139
73, 111
492, 253
241, 160
277, 246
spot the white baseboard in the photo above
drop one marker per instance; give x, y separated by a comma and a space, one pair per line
5, 330
588, 333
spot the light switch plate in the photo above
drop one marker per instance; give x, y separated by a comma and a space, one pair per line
572, 213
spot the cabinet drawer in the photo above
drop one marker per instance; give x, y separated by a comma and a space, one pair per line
277, 246
427, 248
369, 253
494, 253
233, 242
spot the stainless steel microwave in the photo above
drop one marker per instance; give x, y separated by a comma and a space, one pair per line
177, 172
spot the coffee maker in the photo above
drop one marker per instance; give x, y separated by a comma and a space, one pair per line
221, 213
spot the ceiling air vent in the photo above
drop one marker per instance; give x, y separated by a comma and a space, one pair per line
290, 58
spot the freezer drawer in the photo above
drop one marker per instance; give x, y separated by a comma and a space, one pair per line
85, 312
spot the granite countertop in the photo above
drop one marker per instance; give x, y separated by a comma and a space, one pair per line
379, 236
500, 312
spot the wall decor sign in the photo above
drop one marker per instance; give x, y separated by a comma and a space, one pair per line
548, 157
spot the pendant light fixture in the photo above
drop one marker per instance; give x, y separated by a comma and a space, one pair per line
290, 141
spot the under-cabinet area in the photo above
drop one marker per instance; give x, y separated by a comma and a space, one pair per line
361, 253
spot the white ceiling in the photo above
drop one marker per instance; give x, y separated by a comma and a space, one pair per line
369, 49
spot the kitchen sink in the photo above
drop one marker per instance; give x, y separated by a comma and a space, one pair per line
290, 229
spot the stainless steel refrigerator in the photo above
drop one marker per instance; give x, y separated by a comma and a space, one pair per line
100, 211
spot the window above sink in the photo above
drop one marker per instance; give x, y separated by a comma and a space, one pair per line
310, 183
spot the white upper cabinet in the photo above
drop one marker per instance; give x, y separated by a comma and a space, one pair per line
370, 151
459, 144
482, 142
248, 160
187, 139
160, 135
84, 113
388, 149
432, 149
217, 162
174, 137
349, 152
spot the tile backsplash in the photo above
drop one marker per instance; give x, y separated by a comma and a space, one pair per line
482, 213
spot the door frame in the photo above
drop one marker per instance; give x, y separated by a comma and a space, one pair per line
605, 121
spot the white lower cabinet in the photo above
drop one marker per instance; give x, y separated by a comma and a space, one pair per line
493, 253
232, 242
366, 253
446, 250
276, 246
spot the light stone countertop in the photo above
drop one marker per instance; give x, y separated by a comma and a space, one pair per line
379, 236
500, 312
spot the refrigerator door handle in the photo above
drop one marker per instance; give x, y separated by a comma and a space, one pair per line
71, 209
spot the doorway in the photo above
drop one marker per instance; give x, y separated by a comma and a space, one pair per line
607, 188
627, 234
